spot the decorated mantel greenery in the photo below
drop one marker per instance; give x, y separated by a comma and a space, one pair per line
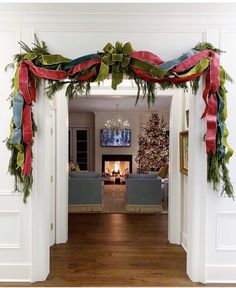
149, 72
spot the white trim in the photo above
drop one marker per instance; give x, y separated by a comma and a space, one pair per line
184, 241
196, 202
36, 12
175, 209
15, 272
40, 198
62, 125
221, 274
10, 193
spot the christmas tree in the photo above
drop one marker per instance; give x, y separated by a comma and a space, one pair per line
153, 145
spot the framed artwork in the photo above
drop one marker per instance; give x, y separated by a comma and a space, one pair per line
183, 141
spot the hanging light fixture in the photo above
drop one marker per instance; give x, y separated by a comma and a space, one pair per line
117, 122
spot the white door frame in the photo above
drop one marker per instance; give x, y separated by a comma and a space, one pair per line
174, 219
41, 209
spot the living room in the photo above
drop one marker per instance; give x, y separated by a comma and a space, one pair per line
195, 239
114, 162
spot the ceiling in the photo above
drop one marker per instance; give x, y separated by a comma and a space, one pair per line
103, 98
126, 103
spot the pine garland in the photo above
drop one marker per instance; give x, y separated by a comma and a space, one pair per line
217, 170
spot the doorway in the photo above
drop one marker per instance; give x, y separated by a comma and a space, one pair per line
174, 219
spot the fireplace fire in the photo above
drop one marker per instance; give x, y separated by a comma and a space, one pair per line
115, 165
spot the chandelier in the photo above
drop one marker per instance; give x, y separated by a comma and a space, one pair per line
117, 122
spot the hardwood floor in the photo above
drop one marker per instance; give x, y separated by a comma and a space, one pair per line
117, 250
114, 199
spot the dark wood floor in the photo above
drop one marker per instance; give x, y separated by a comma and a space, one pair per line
117, 250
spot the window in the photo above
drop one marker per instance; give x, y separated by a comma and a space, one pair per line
79, 147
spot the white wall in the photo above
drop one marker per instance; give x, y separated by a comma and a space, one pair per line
221, 212
15, 217
165, 30
100, 119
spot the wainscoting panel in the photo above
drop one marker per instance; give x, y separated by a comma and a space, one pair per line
10, 239
224, 225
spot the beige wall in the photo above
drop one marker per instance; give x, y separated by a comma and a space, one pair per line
100, 119
96, 122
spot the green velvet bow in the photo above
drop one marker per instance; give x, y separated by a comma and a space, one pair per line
116, 58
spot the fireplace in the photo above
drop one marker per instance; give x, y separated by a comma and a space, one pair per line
116, 164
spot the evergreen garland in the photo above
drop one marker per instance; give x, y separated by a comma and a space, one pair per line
217, 170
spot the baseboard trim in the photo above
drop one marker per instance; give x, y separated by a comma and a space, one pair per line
221, 274
184, 241
144, 208
11, 272
75, 208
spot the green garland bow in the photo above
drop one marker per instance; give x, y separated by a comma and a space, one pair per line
115, 58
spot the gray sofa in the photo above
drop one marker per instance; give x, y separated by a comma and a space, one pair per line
85, 192
143, 193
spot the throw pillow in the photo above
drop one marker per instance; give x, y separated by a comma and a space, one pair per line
163, 172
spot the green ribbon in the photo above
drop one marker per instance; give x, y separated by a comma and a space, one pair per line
30, 56
199, 67
16, 81
103, 72
149, 68
53, 59
11, 128
20, 156
222, 92
116, 58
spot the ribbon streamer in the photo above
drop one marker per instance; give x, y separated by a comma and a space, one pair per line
18, 103
27, 138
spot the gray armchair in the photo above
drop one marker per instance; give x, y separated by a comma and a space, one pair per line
143, 193
85, 192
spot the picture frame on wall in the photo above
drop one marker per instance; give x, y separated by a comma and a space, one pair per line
183, 141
